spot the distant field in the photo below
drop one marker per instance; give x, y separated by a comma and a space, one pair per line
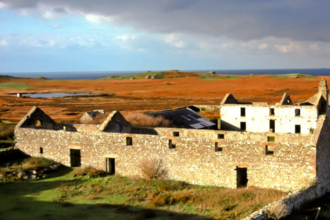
292, 76
15, 85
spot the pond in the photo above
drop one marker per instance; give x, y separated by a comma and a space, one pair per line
53, 95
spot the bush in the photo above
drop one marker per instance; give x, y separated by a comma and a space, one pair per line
152, 169
142, 120
37, 162
90, 172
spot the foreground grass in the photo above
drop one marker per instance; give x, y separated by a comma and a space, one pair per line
66, 196
15, 85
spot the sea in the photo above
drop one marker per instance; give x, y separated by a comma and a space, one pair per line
97, 75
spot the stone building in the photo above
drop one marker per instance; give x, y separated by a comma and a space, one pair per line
282, 146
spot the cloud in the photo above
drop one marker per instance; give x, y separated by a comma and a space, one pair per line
2, 5
3, 43
126, 37
174, 40
299, 20
98, 19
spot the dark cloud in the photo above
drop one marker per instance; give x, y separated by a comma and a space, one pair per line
59, 10
238, 19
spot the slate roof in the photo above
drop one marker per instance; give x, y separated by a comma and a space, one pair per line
184, 118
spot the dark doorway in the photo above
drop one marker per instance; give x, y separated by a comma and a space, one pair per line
297, 129
243, 126
75, 158
241, 177
110, 165
272, 125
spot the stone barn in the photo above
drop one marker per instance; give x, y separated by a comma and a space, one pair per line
283, 146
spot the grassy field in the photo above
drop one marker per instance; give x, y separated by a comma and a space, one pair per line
292, 76
68, 195
15, 85
159, 75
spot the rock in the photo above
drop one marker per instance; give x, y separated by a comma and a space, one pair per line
132, 78
33, 176
20, 175
167, 83
25, 177
153, 76
148, 77
35, 171
211, 72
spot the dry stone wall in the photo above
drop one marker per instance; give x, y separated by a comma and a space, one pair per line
193, 159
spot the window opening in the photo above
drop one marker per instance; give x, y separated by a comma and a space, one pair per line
176, 134
270, 139
129, 141
75, 157
170, 144
221, 136
297, 129
272, 125
217, 148
268, 152
297, 112
242, 112
272, 111
41, 150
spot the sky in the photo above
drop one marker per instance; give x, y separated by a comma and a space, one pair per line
129, 35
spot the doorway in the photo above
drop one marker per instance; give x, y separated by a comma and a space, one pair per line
110, 166
75, 157
241, 177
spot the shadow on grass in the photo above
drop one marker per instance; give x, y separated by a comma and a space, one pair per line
33, 200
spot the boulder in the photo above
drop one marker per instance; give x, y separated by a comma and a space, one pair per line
148, 77
20, 175
25, 177
211, 72
33, 176
35, 171
132, 78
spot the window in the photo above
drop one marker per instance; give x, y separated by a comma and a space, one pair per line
297, 129
272, 111
243, 126
171, 145
38, 124
217, 148
268, 152
297, 112
270, 139
41, 150
221, 136
129, 141
118, 127
272, 125
176, 134
242, 112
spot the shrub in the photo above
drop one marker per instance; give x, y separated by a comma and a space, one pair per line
142, 120
37, 162
152, 169
89, 171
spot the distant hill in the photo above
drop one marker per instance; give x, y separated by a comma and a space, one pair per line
7, 77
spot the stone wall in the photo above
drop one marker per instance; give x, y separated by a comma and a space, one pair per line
257, 117
194, 159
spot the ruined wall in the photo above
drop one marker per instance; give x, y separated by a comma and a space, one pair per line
257, 117
193, 160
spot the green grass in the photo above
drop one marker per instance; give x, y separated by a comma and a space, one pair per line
66, 196
217, 77
15, 85
8, 122
159, 75
292, 76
